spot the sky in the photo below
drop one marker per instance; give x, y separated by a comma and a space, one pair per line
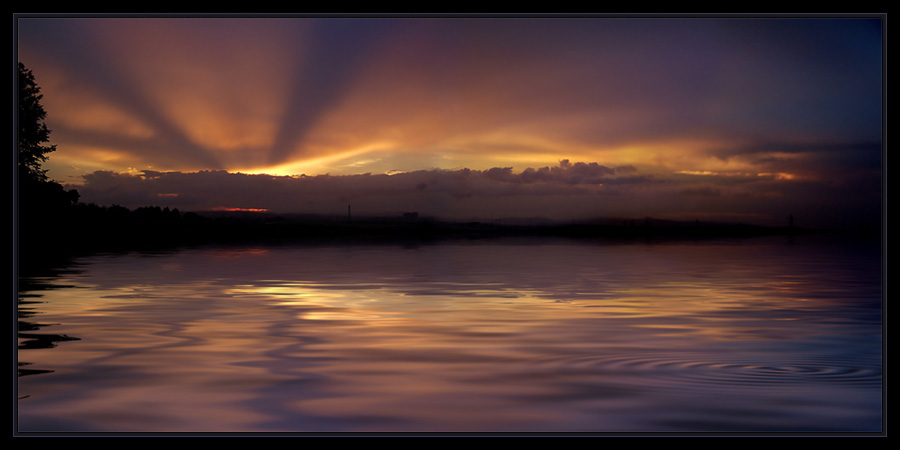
739, 119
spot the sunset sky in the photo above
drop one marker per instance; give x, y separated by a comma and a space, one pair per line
734, 119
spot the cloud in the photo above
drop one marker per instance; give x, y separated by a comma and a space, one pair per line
568, 191
438, 192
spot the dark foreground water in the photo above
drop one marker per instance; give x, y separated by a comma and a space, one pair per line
752, 335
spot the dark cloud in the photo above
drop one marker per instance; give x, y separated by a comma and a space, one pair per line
569, 191
426, 190
834, 161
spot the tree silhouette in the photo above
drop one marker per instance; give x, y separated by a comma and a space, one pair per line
44, 206
32, 140
33, 132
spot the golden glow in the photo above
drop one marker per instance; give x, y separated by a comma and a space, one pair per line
717, 174
777, 176
320, 164
663, 155
101, 155
75, 160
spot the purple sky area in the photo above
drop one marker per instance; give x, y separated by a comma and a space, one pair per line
736, 119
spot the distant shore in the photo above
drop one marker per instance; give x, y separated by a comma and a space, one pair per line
155, 228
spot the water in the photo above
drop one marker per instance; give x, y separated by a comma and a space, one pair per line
752, 335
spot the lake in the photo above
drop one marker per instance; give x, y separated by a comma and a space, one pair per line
771, 334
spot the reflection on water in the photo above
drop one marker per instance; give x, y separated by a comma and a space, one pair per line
493, 336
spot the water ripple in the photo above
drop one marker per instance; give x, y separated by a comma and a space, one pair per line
704, 372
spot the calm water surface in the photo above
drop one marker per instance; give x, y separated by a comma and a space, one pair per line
763, 335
